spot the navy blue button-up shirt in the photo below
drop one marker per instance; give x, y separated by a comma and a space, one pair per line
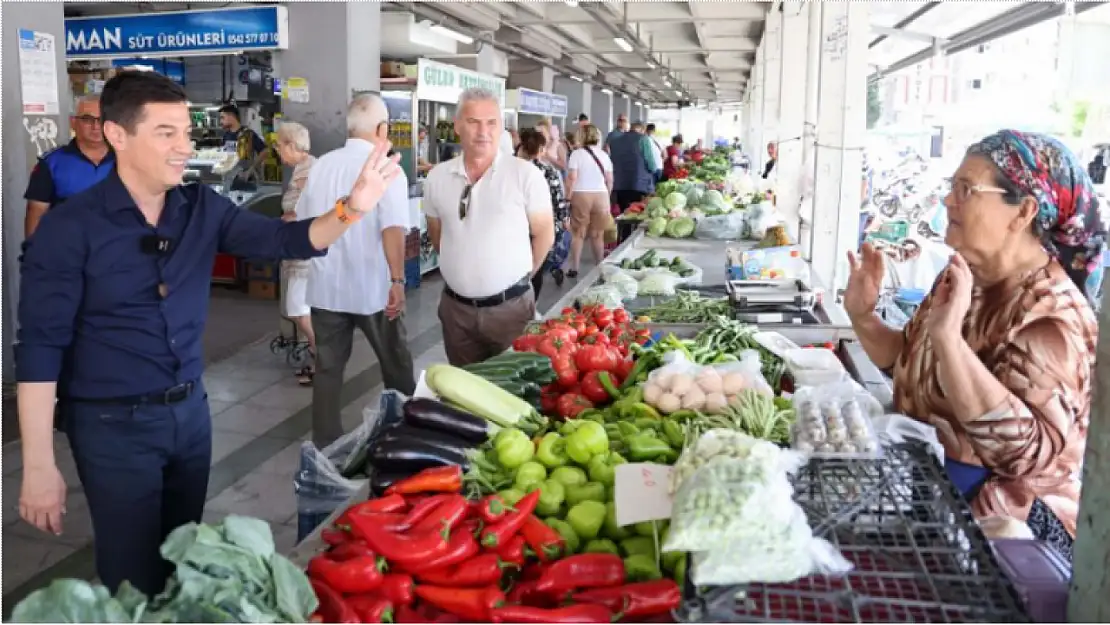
90, 313
65, 172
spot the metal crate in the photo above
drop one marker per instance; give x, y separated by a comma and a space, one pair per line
919, 555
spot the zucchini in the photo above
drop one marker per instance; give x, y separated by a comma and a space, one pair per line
430, 414
406, 453
476, 395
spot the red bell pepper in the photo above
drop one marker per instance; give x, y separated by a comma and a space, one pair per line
585, 613
333, 608
513, 551
472, 604
471, 526
424, 509
355, 576
334, 537
389, 503
460, 548
545, 541
493, 508
435, 480
632, 600
446, 516
372, 608
350, 550
501, 532
408, 614
397, 587
481, 570
587, 570
399, 548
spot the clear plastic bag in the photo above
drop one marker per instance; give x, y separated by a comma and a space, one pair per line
606, 294
614, 276
728, 227
659, 282
761, 218
836, 421
732, 444
320, 485
705, 388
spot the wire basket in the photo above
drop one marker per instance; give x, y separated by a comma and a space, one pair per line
919, 555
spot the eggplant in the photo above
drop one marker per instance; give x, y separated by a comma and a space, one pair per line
434, 415
381, 480
405, 452
442, 440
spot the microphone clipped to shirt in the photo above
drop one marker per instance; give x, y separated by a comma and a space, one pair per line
154, 245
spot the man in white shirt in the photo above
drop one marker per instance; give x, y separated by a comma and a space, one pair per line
490, 217
361, 281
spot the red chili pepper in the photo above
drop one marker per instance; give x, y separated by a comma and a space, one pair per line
389, 503
631, 600
585, 613
399, 548
472, 604
355, 576
460, 548
513, 551
334, 537
446, 516
408, 614
350, 550
481, 570
397, 587
332, 609
389, 521
499, 533
534, 572
435, 480
423, 509
587, 570
493, 508
372, 608
544, 540
471, 526
525, 593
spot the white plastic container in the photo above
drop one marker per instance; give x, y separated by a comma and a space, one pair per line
813, 366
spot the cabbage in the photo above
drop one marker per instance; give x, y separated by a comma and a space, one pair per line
663, 189
675, 200
715, 198
656, 208
694, 196
680, 228
654, 203
657, 227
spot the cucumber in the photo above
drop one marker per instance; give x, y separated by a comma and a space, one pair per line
488, 372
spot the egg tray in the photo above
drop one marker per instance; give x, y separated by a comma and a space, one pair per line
918, 554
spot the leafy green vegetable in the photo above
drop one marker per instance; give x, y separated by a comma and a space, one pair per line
657, 227
674, 201
680, 228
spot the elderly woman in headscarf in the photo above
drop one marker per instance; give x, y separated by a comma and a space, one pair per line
1000, 356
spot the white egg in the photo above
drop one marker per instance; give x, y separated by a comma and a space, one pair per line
668, 403
694, 399
734, 382
681, 384
663, 379
715, 403
710, 381
652, 393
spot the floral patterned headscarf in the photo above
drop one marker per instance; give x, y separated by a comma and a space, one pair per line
1069, 219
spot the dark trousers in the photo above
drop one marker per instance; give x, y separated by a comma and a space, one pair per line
335, 333
145, 473
537, 281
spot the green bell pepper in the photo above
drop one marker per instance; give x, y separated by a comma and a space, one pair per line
552, 451
679, 573
587, 518
569, 476
617, 447
671, 560
612, 530
644, 447
552, 495
647, 528
640, 410
638, 545
573, 542
569, 427
586, 441
529, 476
512, 495
602, 545
641, 568
603, 467
513, 447
627, 430
682, 415
590, 491
673, 433
613, 431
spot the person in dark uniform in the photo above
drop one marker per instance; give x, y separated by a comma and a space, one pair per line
113, 302
72, 168
242, 140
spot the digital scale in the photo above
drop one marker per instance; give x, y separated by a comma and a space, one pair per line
773, 301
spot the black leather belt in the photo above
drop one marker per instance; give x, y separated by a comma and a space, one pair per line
168, 397
511, 293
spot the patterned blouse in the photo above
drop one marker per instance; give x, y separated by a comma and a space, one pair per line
1037, 334
289, 205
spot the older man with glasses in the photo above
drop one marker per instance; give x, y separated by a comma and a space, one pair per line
72, 168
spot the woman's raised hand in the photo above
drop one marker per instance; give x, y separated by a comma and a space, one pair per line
865, 279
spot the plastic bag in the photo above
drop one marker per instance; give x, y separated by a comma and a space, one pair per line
606, 294
684, 385
761, 218
814, 367
835, 420
614, 276
320, 485
731, 444
659, 282
728, 227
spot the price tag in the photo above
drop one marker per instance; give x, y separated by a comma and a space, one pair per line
642, 493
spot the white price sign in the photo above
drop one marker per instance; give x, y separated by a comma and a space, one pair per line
642, 493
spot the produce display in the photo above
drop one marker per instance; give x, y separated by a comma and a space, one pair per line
688, 307
518, 373
652, 260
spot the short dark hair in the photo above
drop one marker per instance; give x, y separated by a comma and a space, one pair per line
532, 141
231, 109
125, 95
676, 140
650, 129
582, 117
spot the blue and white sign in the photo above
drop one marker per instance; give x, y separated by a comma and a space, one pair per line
174, 70
539, 103
182, 33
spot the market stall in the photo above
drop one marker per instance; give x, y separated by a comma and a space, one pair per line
524, 108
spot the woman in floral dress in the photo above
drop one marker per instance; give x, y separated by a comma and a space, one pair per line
532, 144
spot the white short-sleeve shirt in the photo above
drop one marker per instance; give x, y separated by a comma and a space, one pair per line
590, 177
354, 276
490, 249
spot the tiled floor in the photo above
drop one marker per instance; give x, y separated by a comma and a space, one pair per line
260, 417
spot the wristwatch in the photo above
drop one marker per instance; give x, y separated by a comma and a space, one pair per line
345, 212
397, 281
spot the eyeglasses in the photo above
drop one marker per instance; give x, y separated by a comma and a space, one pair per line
88, 119
962, 191
464, 201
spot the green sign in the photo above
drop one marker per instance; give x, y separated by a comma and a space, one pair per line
439, 82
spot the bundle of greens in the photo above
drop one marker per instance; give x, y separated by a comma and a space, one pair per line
227, 573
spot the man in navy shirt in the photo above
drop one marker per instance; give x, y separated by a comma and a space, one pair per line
72, 168
113, 304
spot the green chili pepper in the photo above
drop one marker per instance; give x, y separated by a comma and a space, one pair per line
593, 414
612, 530
679, 573
638, 545
626, 429
645, 447
644, 363
601, 545
590, 491
569, 427
613, 430
645, 411
682, 415
635, 396
673, 433
606, 380
641, 568
647, 423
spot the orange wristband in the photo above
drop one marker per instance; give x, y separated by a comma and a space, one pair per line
345, 216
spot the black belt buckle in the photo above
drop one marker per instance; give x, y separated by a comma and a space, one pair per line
177, 393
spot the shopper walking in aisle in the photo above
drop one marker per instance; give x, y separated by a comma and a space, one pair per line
490, 218
113, 301
589, 187
657, 150
293, 148
622, 128
360, 283
555, 153
533, 145
243, 141
674, 158
72, 168
634, 167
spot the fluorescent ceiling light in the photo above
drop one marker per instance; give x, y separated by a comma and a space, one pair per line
651, 65
571, 4
639, 104
677, 92
622, 44
447, 32
576, 78
607, 91
666, 83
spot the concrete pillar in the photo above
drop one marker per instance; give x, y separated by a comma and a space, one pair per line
841, 126
492, 61
772, 76
525, 74
579, 97
352, 52
20, 152
756, 150
791, 109
601, 111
